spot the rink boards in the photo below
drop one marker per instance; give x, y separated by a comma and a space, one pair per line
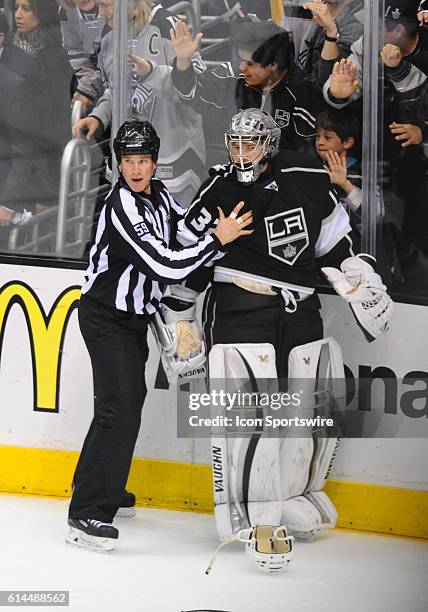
46, 407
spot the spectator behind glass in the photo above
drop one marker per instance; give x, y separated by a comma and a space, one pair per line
181, 162
337, 135
25, 179
15, 59
423, 12
82, 29
405, 59
268, 80
404, 55
38, 35
338, 28
338, 145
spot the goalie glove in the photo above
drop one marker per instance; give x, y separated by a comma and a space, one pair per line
177, 332
362, 288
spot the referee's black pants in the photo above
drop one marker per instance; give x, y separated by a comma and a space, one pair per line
117, 345
233, 315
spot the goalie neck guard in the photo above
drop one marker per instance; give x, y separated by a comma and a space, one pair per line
252, 140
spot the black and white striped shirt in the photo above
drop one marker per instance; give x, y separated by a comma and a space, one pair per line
136, 254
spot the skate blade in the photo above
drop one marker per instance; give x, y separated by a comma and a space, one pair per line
126, 513
75, 537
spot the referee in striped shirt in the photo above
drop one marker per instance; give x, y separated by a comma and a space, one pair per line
134, 257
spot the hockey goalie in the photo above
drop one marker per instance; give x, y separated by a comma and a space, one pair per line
262, 301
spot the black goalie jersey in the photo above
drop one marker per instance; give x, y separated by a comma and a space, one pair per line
297, 220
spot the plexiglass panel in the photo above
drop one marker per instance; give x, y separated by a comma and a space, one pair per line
72, 71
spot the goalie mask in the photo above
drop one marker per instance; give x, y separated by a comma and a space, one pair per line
269, 548
252, 140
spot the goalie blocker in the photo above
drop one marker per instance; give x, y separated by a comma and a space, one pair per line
260, 480
177, 333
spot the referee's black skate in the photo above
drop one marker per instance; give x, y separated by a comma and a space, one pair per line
127, 505
91, 534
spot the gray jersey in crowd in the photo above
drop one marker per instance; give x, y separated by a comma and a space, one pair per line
81, 35
181, 163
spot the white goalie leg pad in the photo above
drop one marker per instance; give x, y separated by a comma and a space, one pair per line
307, 514
296, 455
322, 358
306, 462
324, 453
247, 486
301, 517
321, 501
243, 361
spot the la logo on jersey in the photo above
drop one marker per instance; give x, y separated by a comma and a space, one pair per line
282, 118
287, 235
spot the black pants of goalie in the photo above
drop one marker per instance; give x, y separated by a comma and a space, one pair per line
117, 345
234, 315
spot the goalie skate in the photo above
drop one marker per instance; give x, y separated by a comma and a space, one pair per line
91, 534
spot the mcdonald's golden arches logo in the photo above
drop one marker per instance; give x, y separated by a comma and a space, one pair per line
46, 333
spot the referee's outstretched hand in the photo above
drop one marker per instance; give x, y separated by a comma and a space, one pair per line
232, 227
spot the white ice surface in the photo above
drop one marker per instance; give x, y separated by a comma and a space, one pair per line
159, 563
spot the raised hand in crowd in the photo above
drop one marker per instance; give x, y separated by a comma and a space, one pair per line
406, 133
337, 170
343, 79
391, 55
183, 45
322, 16
423, 17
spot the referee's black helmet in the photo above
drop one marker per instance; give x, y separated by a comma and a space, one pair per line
136, 138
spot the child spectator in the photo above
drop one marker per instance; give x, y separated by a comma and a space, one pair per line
336, 144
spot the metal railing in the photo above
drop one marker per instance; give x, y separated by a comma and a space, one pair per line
76, 112
73, 197
185, 10
64, 230
35, 236
196, 4
209, 45
204, 23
